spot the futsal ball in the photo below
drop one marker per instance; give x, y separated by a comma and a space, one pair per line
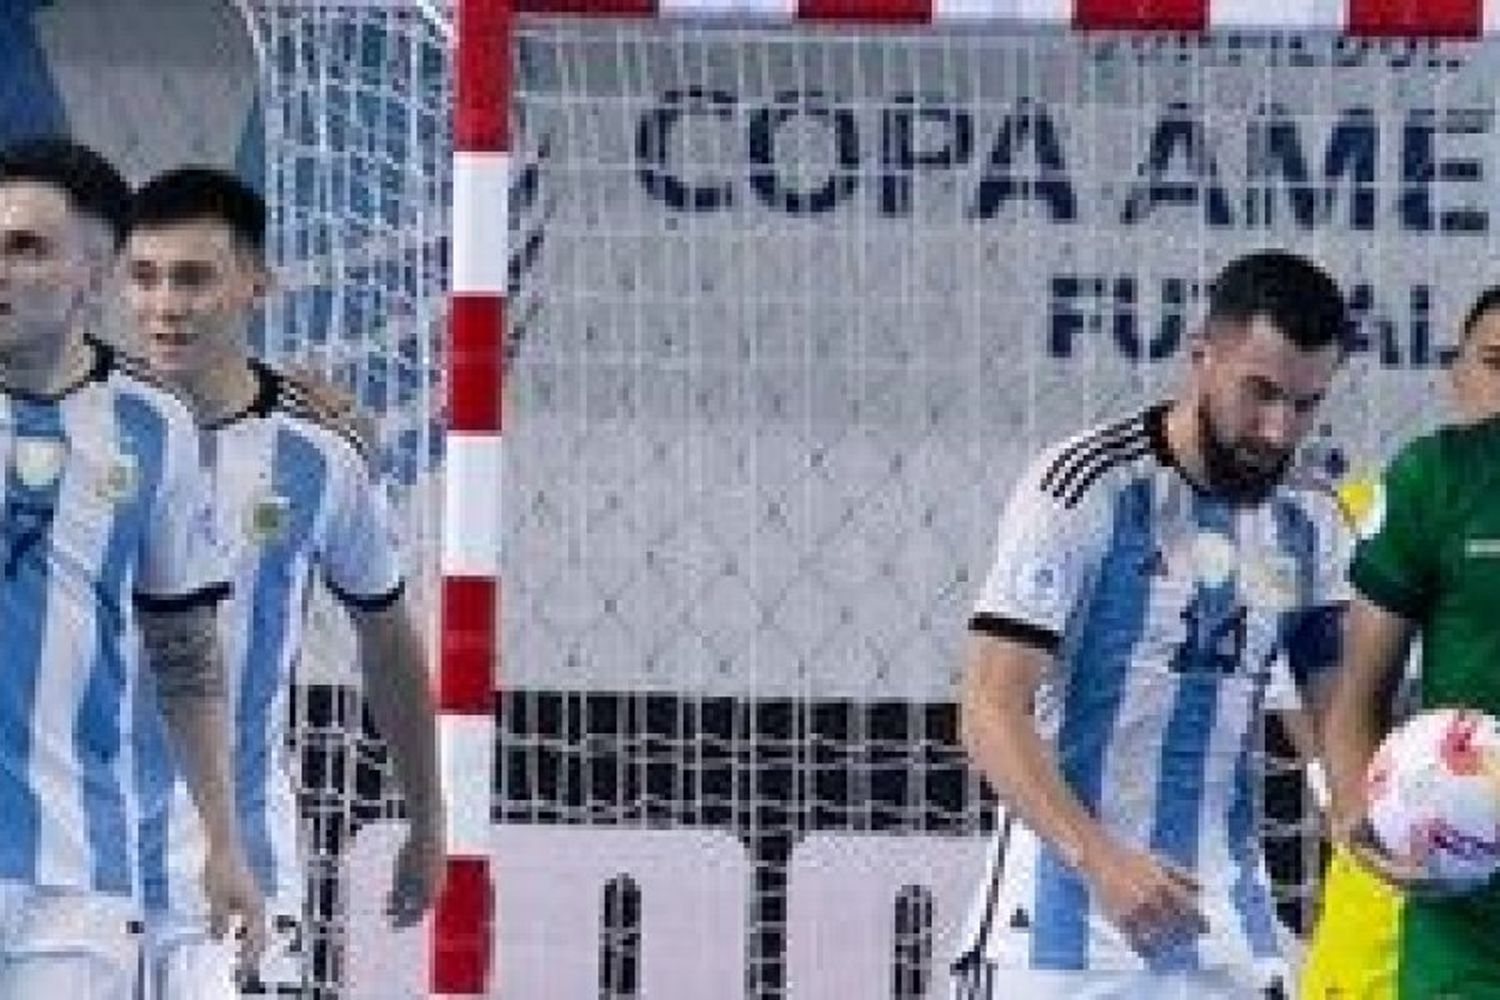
1433, 791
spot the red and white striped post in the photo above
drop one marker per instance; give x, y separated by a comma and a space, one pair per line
463, 925
463, 932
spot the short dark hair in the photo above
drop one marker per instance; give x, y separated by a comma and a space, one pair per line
195, 194
1297, 296
93, 186
1488, 300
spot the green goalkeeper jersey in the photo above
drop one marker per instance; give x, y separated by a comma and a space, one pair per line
1429, 551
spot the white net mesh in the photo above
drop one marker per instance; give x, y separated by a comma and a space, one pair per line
356, 101
792, 308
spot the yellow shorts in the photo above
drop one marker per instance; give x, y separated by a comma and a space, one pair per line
1355, 944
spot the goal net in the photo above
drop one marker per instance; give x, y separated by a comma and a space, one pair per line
356, 104
791, 307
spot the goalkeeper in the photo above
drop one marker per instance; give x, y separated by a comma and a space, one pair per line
1426, 562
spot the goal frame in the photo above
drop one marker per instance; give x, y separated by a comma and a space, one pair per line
470, 674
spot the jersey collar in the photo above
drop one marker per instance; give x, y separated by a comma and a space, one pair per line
101, 363
267, 394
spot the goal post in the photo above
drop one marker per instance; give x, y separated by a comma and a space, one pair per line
462, 938
793, 291
771, 300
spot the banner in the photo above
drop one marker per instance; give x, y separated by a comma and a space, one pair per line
793, 310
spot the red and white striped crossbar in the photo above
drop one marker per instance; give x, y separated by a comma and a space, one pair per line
1413, 18
463, 930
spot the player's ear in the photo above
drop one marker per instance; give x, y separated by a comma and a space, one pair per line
1457, 377
1197, 349
262, 283
258, 276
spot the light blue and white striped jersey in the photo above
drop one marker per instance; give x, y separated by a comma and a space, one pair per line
293, 499
106, 509
1167, 610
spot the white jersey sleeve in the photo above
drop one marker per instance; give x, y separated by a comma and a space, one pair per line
1315, 643
1048, 548
360, 559
178, 557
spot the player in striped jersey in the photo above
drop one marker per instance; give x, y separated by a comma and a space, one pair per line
104, 555
295, 499
1147, 577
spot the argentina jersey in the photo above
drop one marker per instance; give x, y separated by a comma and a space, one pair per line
1168, 611
105, 511
294, 501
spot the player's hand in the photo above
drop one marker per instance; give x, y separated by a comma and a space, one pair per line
232, 893
417, 875
1151, 900
1405, 875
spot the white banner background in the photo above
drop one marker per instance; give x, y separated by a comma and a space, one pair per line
801, 307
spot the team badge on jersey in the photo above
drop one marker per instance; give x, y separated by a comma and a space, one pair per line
38, 461
1040, 583
266, 518
117, 482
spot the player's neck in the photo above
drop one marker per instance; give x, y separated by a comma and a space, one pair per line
46, 366
1185, 442
220, 391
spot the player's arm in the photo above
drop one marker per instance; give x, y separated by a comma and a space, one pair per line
1378, 644
361, 566
1301, 728
396, 686
998, 730
1151, 900
1377, 641
182, 648
1394, 573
